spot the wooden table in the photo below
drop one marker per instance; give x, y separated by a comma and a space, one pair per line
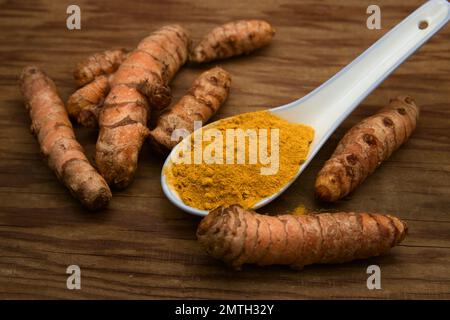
144, 247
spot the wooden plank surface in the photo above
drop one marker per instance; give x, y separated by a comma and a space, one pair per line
142, 246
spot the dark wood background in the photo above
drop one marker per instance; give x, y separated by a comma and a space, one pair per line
144, 247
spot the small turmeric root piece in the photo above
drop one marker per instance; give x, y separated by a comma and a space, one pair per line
53, 130
233, 39
364, 147
98, 64
209, 92
238, 236
138, 85
84, 105
93, 75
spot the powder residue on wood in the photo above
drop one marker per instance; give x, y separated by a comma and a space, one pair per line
207, 186
300, 211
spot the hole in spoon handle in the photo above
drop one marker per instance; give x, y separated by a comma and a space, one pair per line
423, 24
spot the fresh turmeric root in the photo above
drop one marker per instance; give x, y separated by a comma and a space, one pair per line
53, 130
208, 93
238, 236
365, 147
98, 64
93, 75
233, 39
138, 85
84, 105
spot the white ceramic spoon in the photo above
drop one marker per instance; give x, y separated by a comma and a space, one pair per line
326, 107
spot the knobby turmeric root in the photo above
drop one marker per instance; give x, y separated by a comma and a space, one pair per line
100, 63
138, 85
209, 92
93, 75
365, 147
238, 236
84, 105
53, 130
233, 39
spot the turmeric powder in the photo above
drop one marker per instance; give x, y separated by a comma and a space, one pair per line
300, 211
236, 179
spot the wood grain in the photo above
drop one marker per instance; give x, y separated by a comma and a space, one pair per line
142, 246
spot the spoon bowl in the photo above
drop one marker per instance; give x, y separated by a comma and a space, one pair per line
325, 108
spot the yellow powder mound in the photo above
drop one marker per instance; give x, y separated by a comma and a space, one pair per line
207, 186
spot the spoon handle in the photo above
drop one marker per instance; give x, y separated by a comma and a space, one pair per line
340, 95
